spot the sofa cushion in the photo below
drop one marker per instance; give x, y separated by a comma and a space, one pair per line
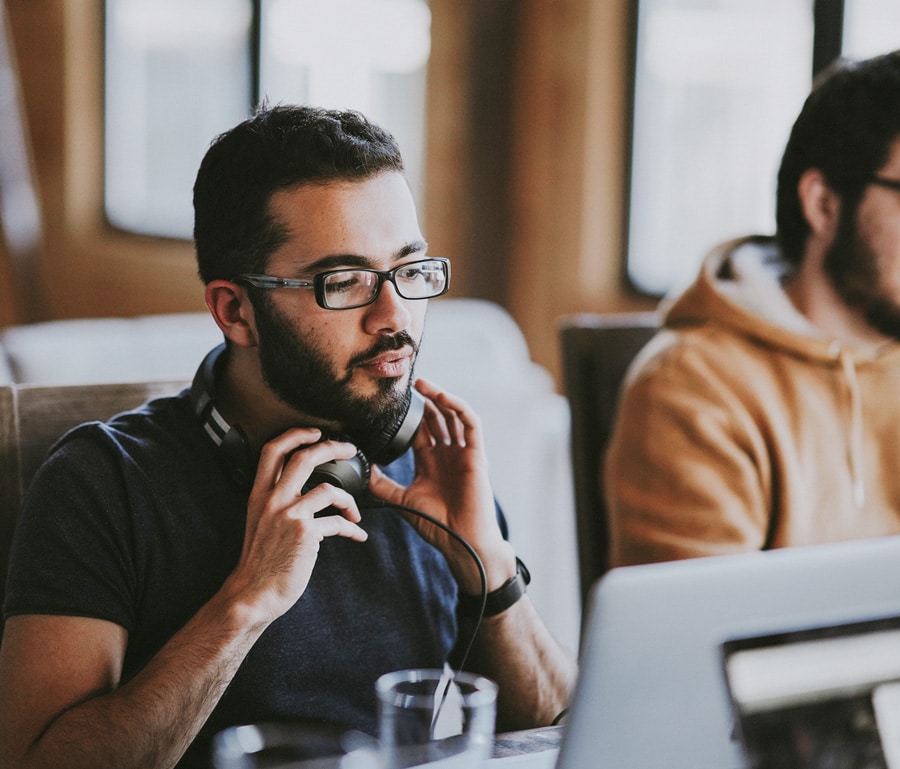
93, 350
6, 374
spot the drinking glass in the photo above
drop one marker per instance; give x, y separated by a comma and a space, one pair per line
435, 718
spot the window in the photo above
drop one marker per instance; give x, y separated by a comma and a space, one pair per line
179, 72
870, 27
718, 85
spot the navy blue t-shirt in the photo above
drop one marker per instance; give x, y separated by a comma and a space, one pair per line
136, 521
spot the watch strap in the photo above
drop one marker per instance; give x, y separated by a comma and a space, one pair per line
499, 600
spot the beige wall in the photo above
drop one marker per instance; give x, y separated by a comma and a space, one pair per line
526, 154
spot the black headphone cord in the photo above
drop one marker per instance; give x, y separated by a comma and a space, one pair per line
380, 503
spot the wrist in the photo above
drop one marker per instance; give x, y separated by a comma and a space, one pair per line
243, 610
499, 600
500, 565
498, 561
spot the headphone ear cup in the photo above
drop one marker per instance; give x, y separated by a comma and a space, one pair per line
397, 438
352, 474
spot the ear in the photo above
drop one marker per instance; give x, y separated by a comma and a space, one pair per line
821, 205
232, 311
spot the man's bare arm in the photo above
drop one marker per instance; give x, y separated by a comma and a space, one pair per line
62, 704
535, 673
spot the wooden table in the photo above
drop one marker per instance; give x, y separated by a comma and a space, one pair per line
527, 741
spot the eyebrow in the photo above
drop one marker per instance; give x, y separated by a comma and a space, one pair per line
334, 261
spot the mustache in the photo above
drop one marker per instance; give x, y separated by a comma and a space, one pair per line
384, 344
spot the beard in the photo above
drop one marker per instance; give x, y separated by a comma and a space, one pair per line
301, 374
853, 269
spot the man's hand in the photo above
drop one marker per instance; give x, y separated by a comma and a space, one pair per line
452, 485
281, 543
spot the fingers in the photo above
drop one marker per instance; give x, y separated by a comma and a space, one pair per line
338, 526
284, 468
450, 420
296, 453
324, 497
281, 547
272, 456
290, 459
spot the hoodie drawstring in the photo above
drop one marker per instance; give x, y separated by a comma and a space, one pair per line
855, 444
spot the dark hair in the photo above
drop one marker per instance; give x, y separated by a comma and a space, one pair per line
279, 147
844, 130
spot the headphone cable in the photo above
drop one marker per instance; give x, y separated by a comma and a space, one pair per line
376, 503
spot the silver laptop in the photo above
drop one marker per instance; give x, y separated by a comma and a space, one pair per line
651, 692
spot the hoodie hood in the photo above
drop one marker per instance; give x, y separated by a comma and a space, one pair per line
740, 286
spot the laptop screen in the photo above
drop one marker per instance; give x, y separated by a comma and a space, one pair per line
818, 698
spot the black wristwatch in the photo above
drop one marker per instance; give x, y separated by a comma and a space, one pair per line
499, 600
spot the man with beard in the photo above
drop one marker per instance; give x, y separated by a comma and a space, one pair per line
181, 569
765, 413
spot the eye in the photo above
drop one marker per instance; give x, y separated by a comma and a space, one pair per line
342, 282
343, 286
410, 273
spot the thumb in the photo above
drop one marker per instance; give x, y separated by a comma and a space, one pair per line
385, 488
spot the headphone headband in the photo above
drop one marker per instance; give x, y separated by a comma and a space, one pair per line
234, 449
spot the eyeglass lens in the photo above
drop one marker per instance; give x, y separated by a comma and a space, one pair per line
350, 288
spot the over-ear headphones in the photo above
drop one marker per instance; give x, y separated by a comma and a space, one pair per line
234, 449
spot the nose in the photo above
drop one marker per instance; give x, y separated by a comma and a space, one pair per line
389, 311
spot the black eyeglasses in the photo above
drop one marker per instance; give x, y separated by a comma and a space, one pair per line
348, 289
881, 181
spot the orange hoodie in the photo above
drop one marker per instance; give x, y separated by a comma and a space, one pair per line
742, 427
